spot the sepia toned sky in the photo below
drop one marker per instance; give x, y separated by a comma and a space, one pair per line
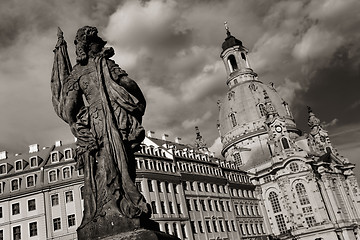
309, 49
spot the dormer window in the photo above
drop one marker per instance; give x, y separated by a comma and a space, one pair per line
232, 63
54, 157
68, 154
15, 185
33, 161
3, 168
19, 165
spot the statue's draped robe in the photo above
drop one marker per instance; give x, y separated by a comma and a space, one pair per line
108, 129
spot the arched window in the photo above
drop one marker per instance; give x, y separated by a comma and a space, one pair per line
243, 56
232, 63
233, 119
262, 110
301, 192
273, 198
285, 143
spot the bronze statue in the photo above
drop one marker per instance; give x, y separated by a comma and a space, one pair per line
104, 109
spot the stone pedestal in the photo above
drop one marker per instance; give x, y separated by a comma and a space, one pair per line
114, 226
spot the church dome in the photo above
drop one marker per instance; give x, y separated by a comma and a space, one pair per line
242, 111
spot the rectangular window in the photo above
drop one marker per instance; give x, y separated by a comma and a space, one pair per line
217, 206
163, 209
153, 207
159, 186
183, 230
1, 212
33, 162
242, 229
171, 206
33, 229
221, 226
179, 208
192, 186
71, 220
208, 228
196, 206
54, 200
199, 187
222, 206
167, 187
1, 235
30, 182
211, 208
15, 185
69, 196
31, 205
310, 221
215, 226
68, 154
15, 208
233, 226
227, 226
3, 169
150, 186
201, 228
228, 206
281, 223
193, 228
18, 165
54, 157
17, 233
56, 224
188, 204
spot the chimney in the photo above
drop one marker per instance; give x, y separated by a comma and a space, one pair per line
164, 136
33, 148
177, 140
3, 155
58, 143
150, 133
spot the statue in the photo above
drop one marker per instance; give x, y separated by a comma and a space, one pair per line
104, 109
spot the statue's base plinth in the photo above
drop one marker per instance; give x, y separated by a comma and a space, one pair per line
113, 226
142, 234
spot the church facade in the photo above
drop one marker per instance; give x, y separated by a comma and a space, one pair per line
307, 190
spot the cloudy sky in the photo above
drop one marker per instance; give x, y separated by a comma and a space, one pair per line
309, 49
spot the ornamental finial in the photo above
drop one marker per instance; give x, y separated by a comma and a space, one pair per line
227, 28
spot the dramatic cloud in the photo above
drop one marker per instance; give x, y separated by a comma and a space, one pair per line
309, 49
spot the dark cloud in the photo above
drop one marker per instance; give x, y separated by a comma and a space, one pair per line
309, 49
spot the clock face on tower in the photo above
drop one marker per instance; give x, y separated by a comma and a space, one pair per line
278, 128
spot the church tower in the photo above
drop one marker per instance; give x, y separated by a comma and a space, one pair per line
307, 190
251, 112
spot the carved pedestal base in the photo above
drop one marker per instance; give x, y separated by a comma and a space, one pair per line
117, 227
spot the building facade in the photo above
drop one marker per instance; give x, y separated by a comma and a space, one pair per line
193, 195
307, 190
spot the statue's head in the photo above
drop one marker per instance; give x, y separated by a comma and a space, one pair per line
88, 43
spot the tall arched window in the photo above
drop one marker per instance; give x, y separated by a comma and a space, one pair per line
243, 56
261, 109
273, 197
285, 143
233, 119
301, 192
232, 63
